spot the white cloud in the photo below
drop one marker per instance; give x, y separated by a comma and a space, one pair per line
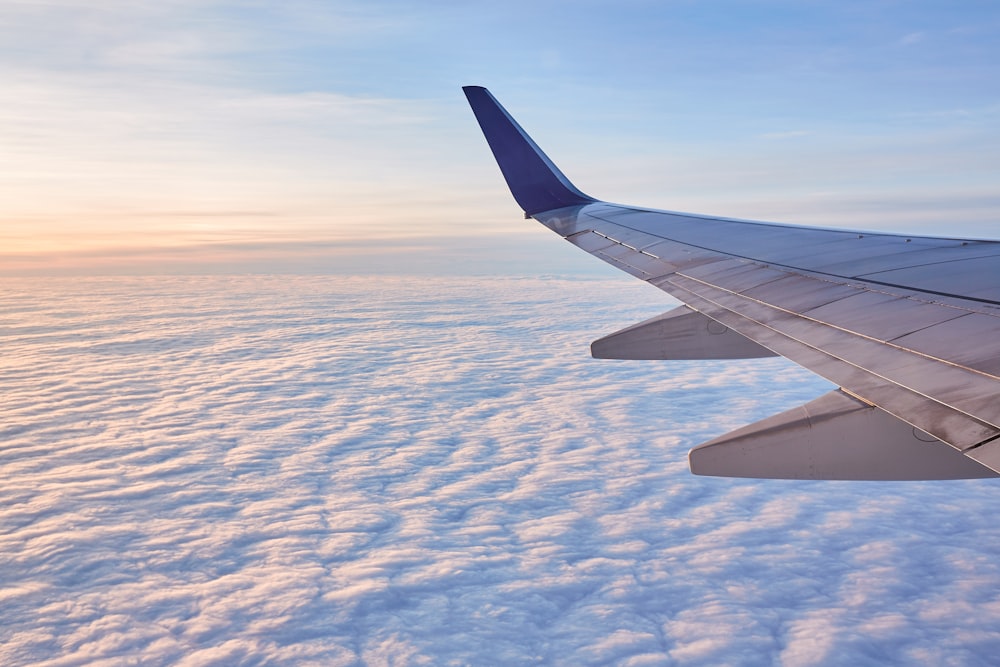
912, 38
786, 134
301, 470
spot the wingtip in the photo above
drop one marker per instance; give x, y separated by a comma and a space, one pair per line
536, 183
473, 92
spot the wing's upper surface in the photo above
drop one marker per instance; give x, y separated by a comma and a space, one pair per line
907, 326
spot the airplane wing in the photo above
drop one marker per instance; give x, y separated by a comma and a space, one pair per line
908, 327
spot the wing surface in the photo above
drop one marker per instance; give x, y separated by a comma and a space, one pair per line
908, 327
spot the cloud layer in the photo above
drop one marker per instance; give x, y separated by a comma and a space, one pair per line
329, 470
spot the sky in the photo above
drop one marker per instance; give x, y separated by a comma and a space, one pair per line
288, 379
332, 137
346, 471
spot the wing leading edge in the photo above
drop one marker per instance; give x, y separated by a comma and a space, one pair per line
908, 327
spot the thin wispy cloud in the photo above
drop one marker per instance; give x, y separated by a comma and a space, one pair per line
912, 38
786, 134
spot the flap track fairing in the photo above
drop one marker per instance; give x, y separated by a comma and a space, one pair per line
834, 437
682, 333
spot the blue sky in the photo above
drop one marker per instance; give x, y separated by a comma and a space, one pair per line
192, 136
386, 469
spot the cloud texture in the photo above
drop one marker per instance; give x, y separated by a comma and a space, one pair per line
329, 470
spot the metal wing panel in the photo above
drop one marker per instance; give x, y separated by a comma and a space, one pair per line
589, 241
842, 257
932, 265
972, 340
827, 325
953, 426
908, 324
651, 266
837, 327
629, 237
962, 278
798, 293
736, 274
898, 316
858, 266
955, 386
683, 256
624, 266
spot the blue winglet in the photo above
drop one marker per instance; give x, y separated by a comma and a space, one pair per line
535, 182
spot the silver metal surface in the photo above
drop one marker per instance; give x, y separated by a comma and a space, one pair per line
833, 437
906, 323
681, 333
959, 277
944, 422
972, 341
897, 316
835, 327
